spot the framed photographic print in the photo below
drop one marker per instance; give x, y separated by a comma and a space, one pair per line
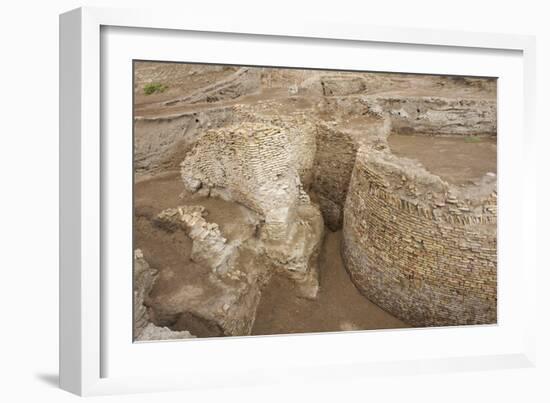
243, 203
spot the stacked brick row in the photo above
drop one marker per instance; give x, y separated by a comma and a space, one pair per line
260, 165
428, 262
337, 145
256, 165
334, 163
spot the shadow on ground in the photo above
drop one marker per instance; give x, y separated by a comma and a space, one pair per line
49, 379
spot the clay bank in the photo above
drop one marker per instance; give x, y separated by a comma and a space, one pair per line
243, 174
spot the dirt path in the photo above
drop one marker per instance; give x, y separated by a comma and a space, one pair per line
338, 307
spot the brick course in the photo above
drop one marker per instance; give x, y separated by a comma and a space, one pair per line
426, 261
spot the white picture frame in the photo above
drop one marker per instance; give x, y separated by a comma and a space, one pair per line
88, 318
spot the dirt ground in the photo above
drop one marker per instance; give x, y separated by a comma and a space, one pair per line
458, 160
338, 307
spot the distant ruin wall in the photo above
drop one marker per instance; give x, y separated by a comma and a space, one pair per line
432, 116
426, 264
437, 115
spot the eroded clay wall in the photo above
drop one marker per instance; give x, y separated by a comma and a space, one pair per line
438, 115
337, 145
423, 115
243, 81
161, 143
429, 263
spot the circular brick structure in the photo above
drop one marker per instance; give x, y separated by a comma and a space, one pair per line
418, 247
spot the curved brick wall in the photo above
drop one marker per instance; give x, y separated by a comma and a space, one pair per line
337, 145
257, 165
430, 261
334, 162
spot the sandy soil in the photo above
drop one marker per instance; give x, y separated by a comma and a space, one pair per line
338, 307
179, 78
458, 160
170, 252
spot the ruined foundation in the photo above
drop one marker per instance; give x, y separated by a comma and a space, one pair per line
270, 158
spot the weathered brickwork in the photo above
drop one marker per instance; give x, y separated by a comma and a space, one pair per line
334, 163
256, 165
428, 261
337, 145
439, 115
260, 165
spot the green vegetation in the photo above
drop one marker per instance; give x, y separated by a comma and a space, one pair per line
472, 139
152, 88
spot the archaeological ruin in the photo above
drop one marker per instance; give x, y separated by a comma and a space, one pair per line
273, 201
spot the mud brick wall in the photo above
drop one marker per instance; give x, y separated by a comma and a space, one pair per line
257, 165
336, 150
429, 265
334, 162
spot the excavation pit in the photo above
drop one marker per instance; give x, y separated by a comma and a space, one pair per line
278, 201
